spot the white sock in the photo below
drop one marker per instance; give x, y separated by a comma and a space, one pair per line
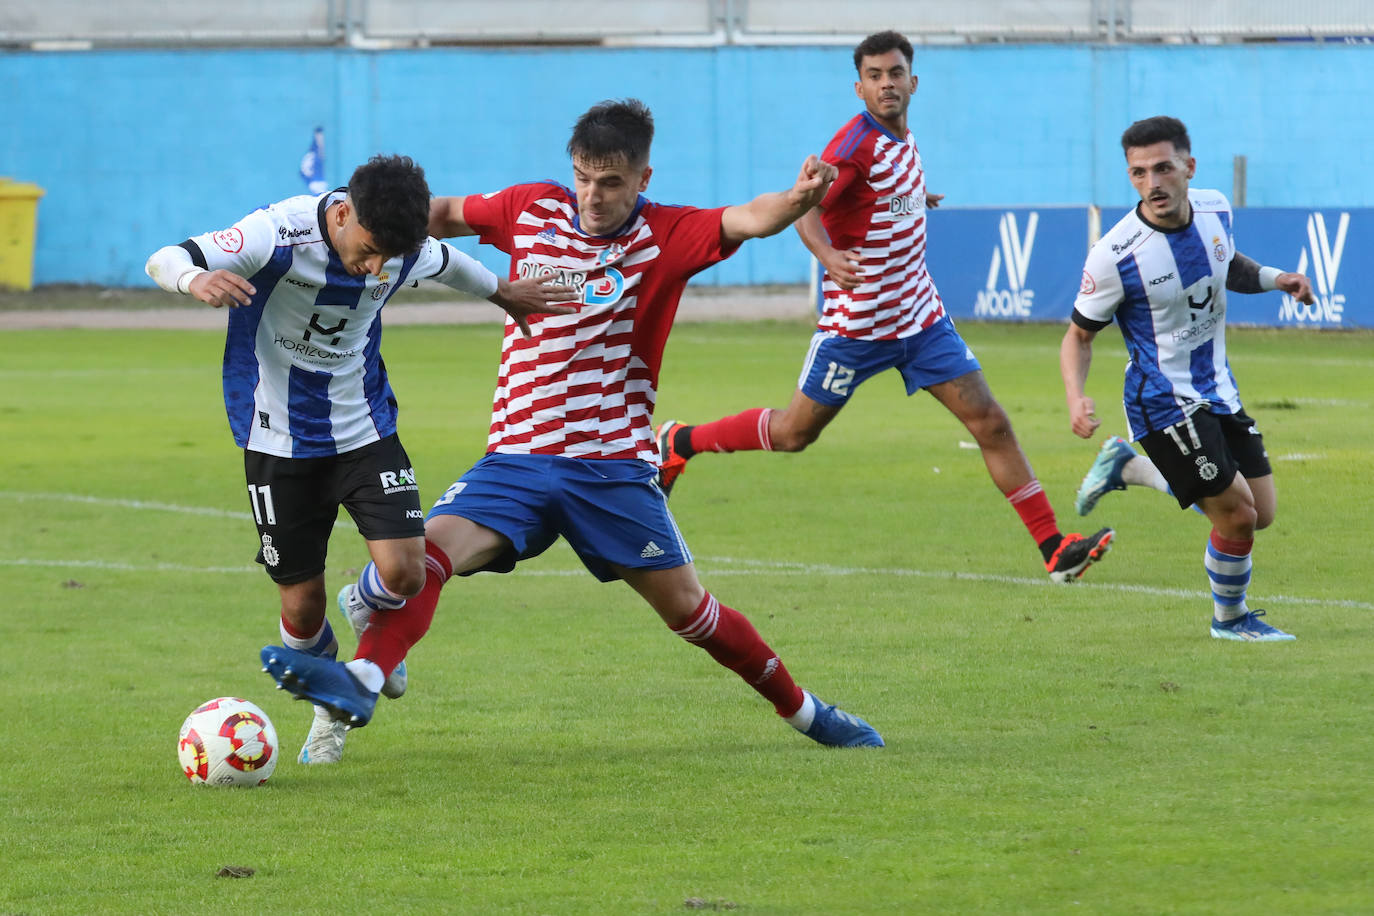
368, 673
1140, 471
801, 719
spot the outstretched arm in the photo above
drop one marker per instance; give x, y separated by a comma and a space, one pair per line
446, 218
1247, 276
768, 214
1075, 358
520, 298
531, 296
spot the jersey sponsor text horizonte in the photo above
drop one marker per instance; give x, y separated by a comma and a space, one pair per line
584, 385
877, 204
1167, 291
303, 372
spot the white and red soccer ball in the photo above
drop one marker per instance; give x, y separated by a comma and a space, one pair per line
228, 742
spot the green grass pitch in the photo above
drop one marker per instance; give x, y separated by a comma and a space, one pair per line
1084, 749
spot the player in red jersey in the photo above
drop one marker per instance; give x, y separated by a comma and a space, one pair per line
882, 311
571, 451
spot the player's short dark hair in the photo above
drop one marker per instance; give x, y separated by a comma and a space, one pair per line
881, 43
391, 199
1154, 130
611, 129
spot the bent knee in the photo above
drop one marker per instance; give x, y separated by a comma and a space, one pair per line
404, 581
1241, 521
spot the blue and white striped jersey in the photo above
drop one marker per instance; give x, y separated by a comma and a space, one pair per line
1167, 291
303, 372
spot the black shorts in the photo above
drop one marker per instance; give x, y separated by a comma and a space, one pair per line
296, 502
1199, 456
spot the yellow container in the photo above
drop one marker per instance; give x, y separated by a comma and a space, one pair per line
18, 225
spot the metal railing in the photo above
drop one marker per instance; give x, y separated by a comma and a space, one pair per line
418, 23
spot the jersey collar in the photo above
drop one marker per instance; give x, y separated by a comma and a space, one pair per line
877, 125
327, 198
640, 201
1140, 215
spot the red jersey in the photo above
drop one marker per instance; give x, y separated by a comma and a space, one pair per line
584, 385
878, 204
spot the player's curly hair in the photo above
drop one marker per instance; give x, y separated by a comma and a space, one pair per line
391, 198
881, 43
1154, 130
612, 129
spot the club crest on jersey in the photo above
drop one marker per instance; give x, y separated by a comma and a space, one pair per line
612, 252
1218, 249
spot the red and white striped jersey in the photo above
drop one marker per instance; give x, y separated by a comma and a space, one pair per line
878, 204
584, 385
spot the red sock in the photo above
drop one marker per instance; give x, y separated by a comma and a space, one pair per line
391, 633
1031, 503
300, 634
744, 432
731, 639
1236, 547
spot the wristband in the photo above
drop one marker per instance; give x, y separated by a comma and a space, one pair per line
1269, 278
184, 281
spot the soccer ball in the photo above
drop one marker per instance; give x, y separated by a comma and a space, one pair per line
228, 742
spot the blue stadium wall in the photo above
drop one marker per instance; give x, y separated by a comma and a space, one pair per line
139, 148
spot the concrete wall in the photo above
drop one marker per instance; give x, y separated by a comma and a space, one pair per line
140, 148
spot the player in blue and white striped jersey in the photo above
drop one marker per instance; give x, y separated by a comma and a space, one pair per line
1162, 273
306, 389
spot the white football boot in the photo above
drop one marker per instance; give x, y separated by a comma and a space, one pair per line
325, 742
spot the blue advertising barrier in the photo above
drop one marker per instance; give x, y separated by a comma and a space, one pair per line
1013, 264
1334, 247
1024, 263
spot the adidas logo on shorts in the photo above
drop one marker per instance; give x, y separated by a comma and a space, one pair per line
650, 551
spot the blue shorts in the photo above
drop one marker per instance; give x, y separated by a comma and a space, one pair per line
609, 511
835, 365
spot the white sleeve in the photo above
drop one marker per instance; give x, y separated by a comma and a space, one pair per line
172, 268
1100, 292
456, 270
243, 249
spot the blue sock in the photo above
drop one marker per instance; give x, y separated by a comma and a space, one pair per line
322, 643
1228, 567
374, 594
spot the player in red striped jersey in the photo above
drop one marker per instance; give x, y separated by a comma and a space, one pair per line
571, 451
882, 311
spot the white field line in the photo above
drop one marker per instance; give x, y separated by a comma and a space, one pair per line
344, 522
124, 567
716, 566
1035, 582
